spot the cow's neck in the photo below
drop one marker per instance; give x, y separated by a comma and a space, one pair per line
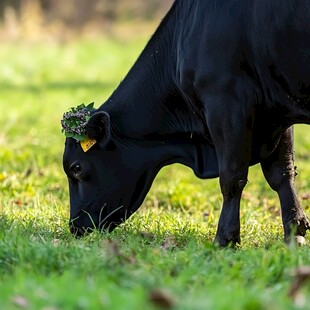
149, 110
147, 104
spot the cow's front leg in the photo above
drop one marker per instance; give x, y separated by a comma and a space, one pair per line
231, 133
280, 173
232, 184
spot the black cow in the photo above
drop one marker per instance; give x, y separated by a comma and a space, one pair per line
217, 88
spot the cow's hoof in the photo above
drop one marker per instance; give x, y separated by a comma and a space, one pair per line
296, 241
300, 240
226, 242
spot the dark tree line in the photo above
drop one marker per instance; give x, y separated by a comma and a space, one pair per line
79, 12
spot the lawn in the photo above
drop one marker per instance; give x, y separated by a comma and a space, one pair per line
163, 256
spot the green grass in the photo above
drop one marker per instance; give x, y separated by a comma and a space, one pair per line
166, 245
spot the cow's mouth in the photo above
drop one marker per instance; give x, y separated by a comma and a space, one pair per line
111, 220
105, 221
80, 232
76, 231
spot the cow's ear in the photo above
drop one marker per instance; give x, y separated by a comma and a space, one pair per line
98, 128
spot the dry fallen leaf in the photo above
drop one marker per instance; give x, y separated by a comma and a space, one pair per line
169, 243
161, 299
112, 249
56, 242
147, 235
19, 203
20, 301
301, 276
305, 196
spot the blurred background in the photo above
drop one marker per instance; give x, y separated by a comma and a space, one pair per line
58, 19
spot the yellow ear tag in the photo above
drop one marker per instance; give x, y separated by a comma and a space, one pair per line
87, 144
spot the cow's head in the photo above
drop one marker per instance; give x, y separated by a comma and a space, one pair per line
108, 182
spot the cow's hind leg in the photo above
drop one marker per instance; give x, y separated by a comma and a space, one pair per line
279, 172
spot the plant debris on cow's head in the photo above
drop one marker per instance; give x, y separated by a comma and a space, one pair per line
75, 120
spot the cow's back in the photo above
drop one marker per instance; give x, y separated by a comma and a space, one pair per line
280, 38
264, 42
211, 39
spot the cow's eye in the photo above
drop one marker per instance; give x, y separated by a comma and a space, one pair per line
76, 169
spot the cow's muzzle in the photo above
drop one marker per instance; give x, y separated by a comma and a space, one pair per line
77, 231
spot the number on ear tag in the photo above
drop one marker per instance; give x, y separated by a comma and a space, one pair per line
87, 144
